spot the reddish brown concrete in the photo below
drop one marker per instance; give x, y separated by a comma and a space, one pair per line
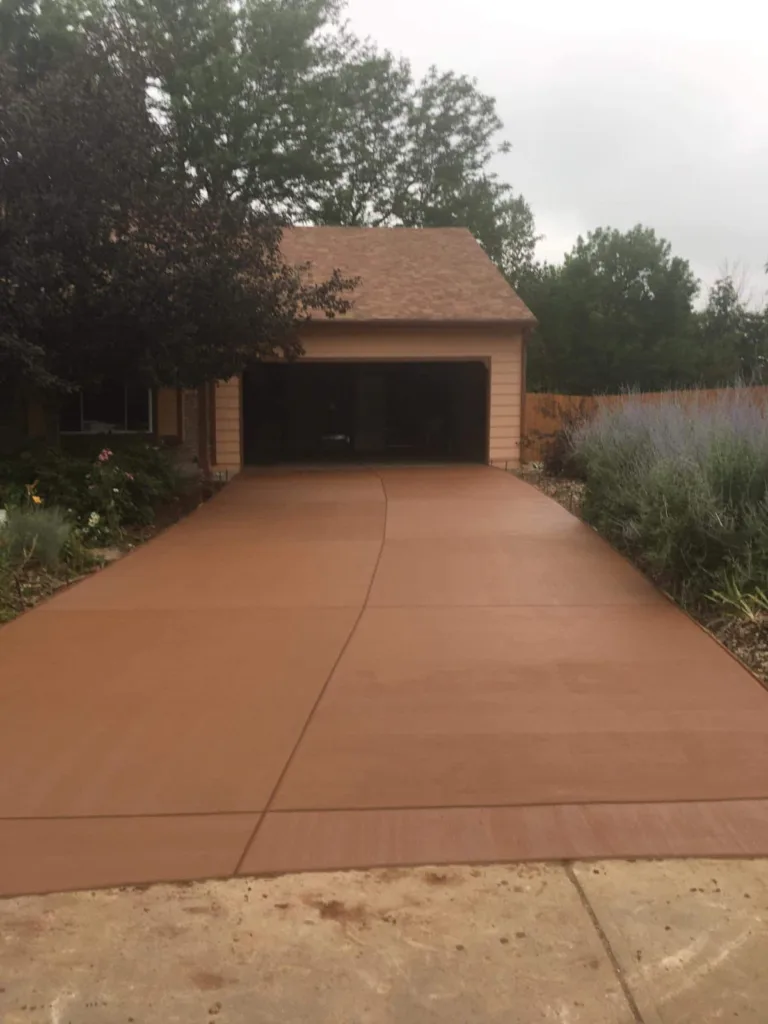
54, 854
345, 668
325, 840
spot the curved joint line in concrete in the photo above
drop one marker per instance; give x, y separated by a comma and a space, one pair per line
323, 689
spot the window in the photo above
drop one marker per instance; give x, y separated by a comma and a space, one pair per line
112, 409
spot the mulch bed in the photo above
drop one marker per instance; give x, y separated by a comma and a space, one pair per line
31, 585
746, 638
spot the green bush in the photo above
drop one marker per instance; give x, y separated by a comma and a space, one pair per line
8, 602
682, 486
558, 456
102, 490
33, 534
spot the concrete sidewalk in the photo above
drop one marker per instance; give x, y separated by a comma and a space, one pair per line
353, 668
589, 943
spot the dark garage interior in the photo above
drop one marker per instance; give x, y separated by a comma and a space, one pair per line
392, 411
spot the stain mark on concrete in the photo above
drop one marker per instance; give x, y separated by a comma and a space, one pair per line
441, 878
336, 910
22, 927
208, 981
391, 874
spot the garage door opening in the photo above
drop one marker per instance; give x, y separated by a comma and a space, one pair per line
409, 411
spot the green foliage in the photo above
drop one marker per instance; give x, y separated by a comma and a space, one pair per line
618, 313
326, 128
559, 458
9, 605
732, 338
35, 534
111, 264
37, 36
276, 104
682, 488
752, 606
103, 496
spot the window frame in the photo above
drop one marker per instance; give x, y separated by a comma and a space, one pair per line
125, 430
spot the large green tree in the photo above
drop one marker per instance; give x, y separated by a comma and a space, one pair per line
276, 103
731, 336
112, 267
618, 313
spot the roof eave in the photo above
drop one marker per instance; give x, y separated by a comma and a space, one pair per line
350, 321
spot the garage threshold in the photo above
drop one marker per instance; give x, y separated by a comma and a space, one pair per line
364, 465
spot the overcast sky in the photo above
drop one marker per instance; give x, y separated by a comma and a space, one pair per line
618, 113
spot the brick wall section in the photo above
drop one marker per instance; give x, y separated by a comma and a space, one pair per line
228, 446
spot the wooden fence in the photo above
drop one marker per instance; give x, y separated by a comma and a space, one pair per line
546, 415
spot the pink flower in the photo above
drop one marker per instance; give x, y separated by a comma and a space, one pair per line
129, 476
105, 455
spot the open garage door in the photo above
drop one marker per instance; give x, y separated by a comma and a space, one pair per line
334, 410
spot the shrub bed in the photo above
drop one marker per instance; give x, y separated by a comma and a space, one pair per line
57, 507
102, 491
684, 491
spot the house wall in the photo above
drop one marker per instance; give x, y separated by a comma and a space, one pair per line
167, 411
501, 348
165, 415
228, 426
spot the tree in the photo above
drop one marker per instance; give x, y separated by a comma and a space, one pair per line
617, 314
732, 339
38, 36
417, 154
275, 103
111, 267
503, 223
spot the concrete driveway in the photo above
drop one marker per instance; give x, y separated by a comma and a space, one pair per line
330, 669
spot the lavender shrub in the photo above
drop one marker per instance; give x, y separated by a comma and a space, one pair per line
681, 484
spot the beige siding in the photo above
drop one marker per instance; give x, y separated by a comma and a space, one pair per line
167, 413
228, 446
506, 387
500, 349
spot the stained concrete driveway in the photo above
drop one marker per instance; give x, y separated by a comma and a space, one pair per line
330, 669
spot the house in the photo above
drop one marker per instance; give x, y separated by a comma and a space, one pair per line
428, 364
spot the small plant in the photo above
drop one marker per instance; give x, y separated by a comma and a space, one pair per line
752, 605
36, 535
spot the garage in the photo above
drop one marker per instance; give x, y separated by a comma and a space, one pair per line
427, 364
326, 410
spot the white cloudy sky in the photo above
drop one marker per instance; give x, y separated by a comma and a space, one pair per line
618, 113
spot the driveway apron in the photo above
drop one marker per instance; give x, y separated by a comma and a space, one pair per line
346, 668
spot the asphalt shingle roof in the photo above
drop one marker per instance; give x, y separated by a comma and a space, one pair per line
409, 274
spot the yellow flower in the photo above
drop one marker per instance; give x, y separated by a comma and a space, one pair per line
37, 499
